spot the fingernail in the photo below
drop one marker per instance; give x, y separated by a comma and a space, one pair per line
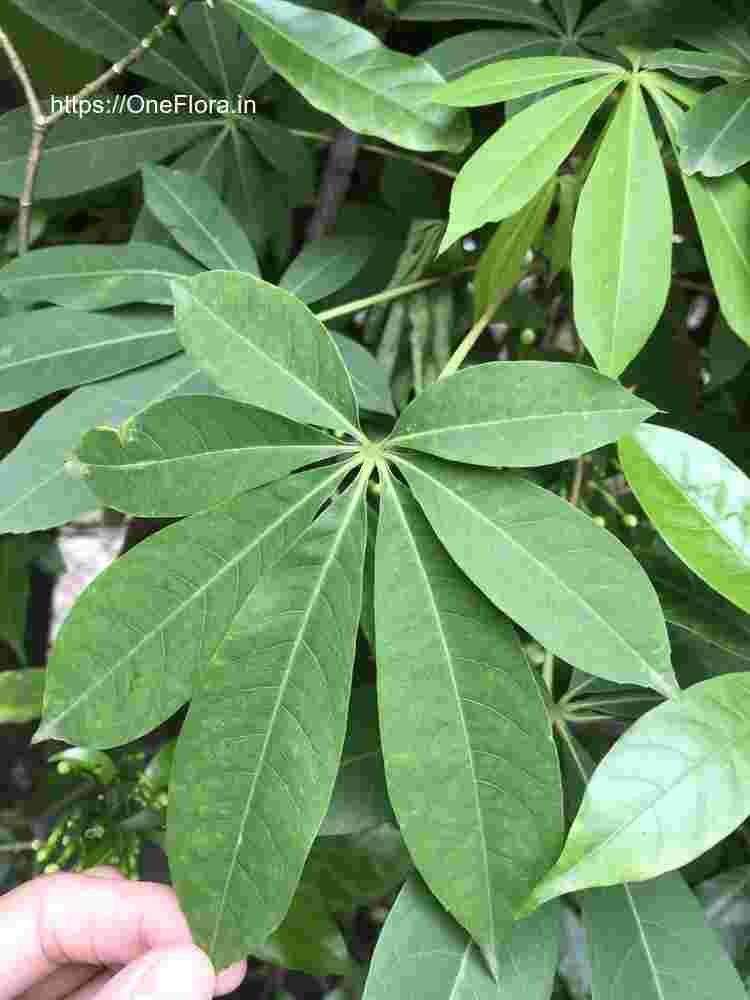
179, 973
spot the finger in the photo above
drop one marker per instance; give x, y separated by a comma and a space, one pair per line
229, 979
165, 974
103, 871
65, 918
93, 988
61, 983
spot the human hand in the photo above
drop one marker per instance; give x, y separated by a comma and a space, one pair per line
99, 935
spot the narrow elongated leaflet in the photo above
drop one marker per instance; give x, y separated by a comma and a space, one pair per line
345, 71
326, 265
713, 133
515, 78
695, 65
698, 500
95, 277
504, 261
648, 939
369, 379
265, 347
269, 711
49, 349
422, 952
721, 206
469, 755
186, 454
615, 310
574, 587
189, 208
508, 169
676, 783
88, 151
459, 54
35, 492
515, 11
519, 413
192, 578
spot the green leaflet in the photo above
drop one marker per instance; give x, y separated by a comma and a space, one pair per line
265, 347
308, 938
469, 756
504, 261
695, 65
327, 265
676, 783
35, 492
270, 711
92, 150
111, 29
345, 71
558, 246
21, 695
698, 500
518, 11
360, 798
518, 413
721, 207
184, 586
461, 53
615, 309
95, 277
50, 349
713, 134
508, 169
369, 379
648, 940
215, 36
189, 208
358, 869
422, 952
186, 454
574, 587
726, 905
515, 78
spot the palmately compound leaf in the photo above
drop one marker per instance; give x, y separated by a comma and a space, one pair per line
189, 208
574, 587
345, 71
508, 169
423, 952
95, 277
622, 239
186, 454
265, 347
698, 500
48, 349
126, 655
259, 751
511, 78
649, 939
469, 756
676, 783
518, 413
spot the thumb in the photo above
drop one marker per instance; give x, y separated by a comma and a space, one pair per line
184, 973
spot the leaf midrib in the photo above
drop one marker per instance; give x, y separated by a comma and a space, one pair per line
92, 346
644, 943
435, 431
346, 520
449, 662
307, 389
326, 450
662, 685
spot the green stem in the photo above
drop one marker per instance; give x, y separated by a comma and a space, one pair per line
567, 737
684, 94
390, 154
386, 296
571, 694
456, 359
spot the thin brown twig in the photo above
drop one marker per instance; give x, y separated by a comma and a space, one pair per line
42, 123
